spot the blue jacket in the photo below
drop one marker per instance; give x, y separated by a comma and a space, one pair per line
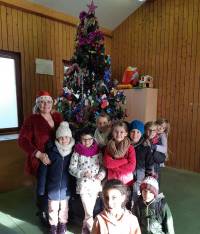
54, 179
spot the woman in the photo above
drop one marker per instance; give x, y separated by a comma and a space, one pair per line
37, 130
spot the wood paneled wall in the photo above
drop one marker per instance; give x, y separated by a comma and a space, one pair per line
35, 35
162, 39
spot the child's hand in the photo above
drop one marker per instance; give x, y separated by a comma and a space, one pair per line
43, 158
88, 174
98, 177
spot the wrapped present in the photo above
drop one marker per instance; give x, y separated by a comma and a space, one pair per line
131, 76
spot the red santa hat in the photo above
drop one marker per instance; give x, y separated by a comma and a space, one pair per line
43, 96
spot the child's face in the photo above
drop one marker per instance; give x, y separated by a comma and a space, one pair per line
151, 132
65, 140
103, 124
161, 128
119, 133
87, 140
113, 200
135, 135
147, 195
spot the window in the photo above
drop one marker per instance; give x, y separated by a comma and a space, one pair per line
10, 92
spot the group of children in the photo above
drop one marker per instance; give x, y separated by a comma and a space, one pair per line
126, 159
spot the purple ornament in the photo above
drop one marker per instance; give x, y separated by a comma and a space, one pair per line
82, 15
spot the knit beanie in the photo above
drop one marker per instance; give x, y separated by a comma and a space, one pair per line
137, 124
63, 130
150, 183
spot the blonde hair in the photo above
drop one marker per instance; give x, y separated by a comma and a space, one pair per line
149, 125
120, 124
162, 121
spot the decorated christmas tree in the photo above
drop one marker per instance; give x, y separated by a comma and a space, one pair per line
88, 88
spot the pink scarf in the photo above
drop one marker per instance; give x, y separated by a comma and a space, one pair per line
88, 152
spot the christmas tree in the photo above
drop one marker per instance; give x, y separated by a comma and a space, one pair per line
88, 88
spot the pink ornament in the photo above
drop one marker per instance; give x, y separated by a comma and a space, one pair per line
104, 104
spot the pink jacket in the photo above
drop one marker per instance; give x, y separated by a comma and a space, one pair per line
105, 224
122, 168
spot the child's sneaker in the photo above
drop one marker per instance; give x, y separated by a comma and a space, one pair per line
162, 165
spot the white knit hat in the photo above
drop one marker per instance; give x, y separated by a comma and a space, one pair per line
150, 183
63, 130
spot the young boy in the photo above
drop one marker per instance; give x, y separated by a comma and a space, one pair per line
103, 130
144, 159
151, 209
55, 179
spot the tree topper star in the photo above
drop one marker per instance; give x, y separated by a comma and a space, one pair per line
91, 7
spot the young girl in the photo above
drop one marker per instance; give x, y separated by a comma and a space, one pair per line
144, 159
163, 127
119, 158
152, 210
103, 129
86, 166
54, 178
152, 139
115, 218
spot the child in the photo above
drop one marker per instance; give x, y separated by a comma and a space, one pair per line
115, 218
55, 178
152, 139
163, 127
103, 129
85, 165
151, 209
119, 157
144, 159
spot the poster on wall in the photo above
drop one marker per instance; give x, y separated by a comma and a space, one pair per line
44, 66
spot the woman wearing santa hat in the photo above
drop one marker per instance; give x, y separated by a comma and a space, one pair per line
37, 130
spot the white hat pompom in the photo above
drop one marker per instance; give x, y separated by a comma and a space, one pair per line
63, 130
64, 124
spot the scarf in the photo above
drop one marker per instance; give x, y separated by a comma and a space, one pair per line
118, 150
88, 152
155, 140
101, 137
65, 150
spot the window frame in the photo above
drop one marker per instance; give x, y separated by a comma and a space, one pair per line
17, 59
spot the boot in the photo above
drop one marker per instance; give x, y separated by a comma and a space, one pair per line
62, 229
53, 229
